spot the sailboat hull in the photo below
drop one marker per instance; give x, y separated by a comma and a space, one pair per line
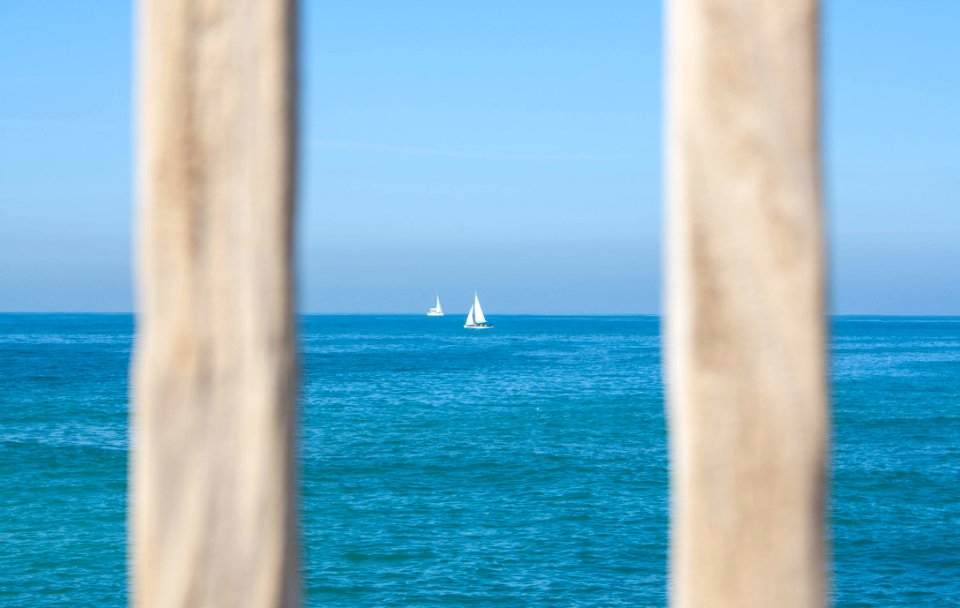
484, 326
434, 313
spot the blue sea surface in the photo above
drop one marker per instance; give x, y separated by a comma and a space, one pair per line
520, 466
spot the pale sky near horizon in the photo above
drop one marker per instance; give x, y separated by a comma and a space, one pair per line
513, 148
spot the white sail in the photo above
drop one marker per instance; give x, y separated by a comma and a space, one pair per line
470, 318
436, 311
477, 311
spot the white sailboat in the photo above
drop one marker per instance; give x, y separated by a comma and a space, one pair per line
475, 318
436, 311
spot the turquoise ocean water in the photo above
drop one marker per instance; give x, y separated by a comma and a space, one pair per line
522, 466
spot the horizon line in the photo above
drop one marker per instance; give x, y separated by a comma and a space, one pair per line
504, 314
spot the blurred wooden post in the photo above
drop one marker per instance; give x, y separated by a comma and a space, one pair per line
213, 486
745, 305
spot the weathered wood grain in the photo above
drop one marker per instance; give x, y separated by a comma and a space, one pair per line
213, 509
745, 305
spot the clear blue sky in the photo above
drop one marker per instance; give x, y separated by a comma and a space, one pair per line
512, 147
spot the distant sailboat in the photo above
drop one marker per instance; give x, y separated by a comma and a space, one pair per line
436, 311
475, 319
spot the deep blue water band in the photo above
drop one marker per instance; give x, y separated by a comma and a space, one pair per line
521, 466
